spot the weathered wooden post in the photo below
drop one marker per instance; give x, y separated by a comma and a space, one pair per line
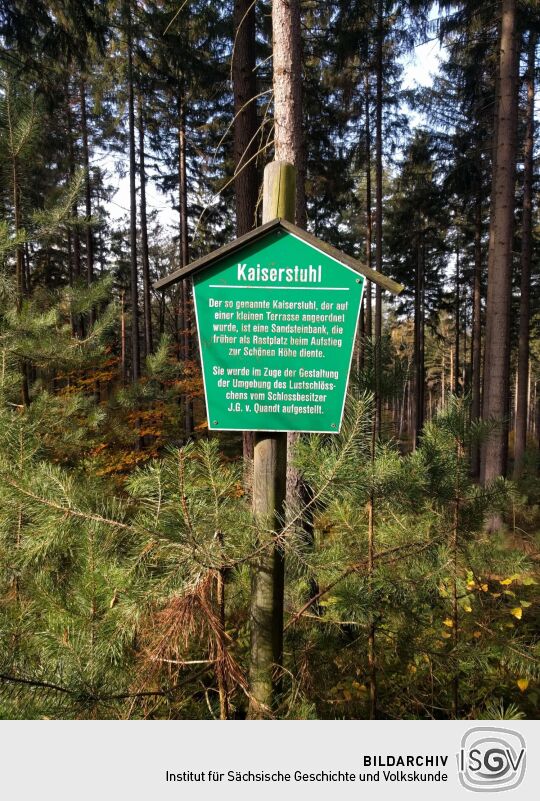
269, 477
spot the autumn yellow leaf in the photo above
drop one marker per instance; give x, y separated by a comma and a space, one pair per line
329, 601
517, 611
477, 634
467, 608
448, 622
506, 581
522, 684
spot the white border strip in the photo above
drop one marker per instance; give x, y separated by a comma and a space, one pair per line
284, 288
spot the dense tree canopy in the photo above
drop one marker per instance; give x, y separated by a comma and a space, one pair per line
127, 539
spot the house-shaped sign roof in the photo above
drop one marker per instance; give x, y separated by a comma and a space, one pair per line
277, 313
264, 230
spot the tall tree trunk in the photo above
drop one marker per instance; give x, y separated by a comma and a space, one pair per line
245, 109
378, 212
144, 238
377, 337
135, 345
71, 171
245, 133
369, 231
526, 251
537, 420
182, 178
457, 323
185, 315
361, 338
443, 379
87, 186
476, 344
422, 381
419, 344
75, 265
123, 349
372, 631
287, 69
497, 355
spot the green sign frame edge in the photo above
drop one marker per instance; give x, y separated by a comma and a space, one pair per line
289, 430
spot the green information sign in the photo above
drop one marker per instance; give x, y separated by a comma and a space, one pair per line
277, 318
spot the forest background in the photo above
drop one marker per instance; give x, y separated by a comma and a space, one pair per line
410, 541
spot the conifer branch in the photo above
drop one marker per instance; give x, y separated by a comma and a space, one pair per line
356, 568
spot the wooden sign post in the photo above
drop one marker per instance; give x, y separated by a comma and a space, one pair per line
269, 485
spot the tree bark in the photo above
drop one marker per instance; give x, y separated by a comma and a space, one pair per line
74, 239
419, 344
145, 261
245, 110
182, 179
526, 252
361, 338
87, 186
245, 133
123, 349
369, 231
135, 344
496, 371
268, 576
378, 212
476, 344
185, 315
457, 322
287, 69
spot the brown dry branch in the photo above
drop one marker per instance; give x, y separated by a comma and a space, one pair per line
188, 621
